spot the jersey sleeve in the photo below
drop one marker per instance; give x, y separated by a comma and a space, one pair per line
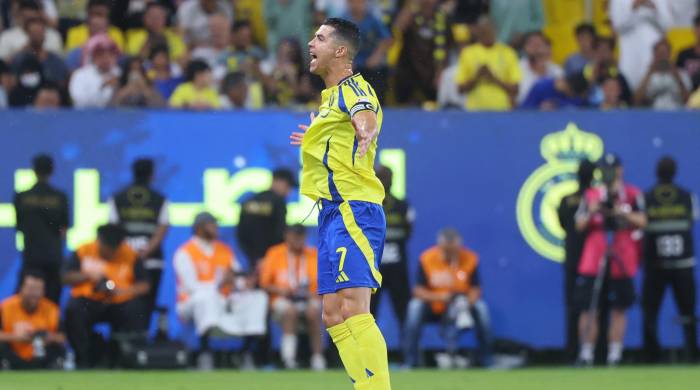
465, 67
355, 97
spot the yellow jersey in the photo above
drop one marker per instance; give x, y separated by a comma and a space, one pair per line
332, 169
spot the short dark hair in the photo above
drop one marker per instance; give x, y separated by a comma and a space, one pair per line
239, 24
286, 175
578, 83
111, 235
231, 80
36, 20
666, 169
297, 229
347, 31
537, 33
42, 165
33, 273
196, 67
33, 5
142, 169
586, 170
154, 4
98, 3
585, 28
158, 49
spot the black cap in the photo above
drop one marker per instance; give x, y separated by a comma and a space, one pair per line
297, 229
142, 169
610, 160
286, 175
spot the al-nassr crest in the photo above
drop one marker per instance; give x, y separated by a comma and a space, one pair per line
543, 190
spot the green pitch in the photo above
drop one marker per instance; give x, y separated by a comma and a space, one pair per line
638, 378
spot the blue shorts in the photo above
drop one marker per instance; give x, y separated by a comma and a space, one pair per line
350, 245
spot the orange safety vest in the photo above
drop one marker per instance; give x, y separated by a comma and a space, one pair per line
119, 269
275, 269
441, 276
208, 268
44, 318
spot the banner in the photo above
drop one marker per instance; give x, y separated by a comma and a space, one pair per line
497, 178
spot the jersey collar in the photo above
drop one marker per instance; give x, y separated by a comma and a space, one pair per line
347, 78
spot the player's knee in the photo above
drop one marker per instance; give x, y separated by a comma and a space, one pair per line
331, 317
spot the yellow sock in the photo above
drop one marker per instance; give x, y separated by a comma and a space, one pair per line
350, 355
372, 348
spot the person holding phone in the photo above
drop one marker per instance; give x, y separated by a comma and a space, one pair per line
664, 87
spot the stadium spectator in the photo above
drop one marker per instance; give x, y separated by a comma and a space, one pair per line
29, 328
585, 37
516, 18
217, 46
49, 97
9, 11
448, 95
234, 93
14, 39
97, 24
30, 75
264, 217
537, 63
663, 87
448, 291
287, 20
284, 74
288, 274
197, 93
571, 91
689, 59
604, 66
53, 67
669, 257
573, 247
94, 84
394, 264
143, 213
42, 217
193, 19
79, 35
107, 281
639, 24
612, 94
375, 41
610, 214
210, 293
70, 14
488, 71
6, 83
155, 32
164, 75
251, 11
135, 88
426, 38
242, 55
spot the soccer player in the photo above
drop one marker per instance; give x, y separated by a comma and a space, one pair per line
338, 150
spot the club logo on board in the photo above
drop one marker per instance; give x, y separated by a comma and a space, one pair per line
540, 195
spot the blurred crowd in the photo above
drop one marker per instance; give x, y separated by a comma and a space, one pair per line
247, 54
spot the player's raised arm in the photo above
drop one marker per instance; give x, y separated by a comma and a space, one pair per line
366, 129
296, 137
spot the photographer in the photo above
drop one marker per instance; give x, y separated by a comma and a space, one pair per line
611, 214
664, 86
669, 257
447, 291
29, 335
288, 274
107, 279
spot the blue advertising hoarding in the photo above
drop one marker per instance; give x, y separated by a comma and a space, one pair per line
497, 178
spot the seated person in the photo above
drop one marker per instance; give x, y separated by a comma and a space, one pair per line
155, 32
447, 290
197, 92
29, 335
210, 291
107, 280
288, 273
79, 35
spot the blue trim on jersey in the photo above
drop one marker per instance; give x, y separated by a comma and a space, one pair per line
362, 93
354, 150
341, 100
369, 89
352, 86
335, 195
